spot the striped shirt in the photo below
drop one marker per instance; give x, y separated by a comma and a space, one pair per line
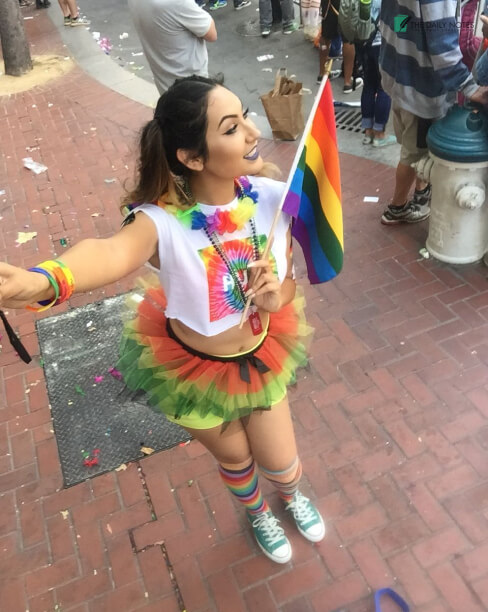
421, 67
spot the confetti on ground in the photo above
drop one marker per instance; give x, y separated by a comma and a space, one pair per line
267, 69
23, 237
122, 467
115, 373
373, 199
63, 242
105, 45
110, 180
137, 54
2, 192
79, 390
64, 514
123, 35
91, 459
146, 450
36, 167
264, 58
424, 253
98, 379
190, 482
184, 443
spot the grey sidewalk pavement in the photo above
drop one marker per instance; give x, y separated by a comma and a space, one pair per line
235, 55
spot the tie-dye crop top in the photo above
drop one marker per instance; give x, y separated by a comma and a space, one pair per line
199, 289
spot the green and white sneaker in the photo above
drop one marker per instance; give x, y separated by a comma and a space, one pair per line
307, 518
270, 536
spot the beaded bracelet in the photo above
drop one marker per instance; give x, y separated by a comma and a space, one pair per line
47, 303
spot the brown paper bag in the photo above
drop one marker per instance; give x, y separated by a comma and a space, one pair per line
284, 108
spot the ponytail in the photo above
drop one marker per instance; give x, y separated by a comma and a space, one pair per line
154, 175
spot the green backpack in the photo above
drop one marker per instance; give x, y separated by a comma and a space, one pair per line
355, 21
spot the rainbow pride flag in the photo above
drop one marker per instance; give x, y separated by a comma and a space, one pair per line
314, 193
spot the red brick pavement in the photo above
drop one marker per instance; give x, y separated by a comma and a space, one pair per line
391, 418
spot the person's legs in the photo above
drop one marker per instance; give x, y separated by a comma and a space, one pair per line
404, 179
265, 17
368, 95
402, 210
230, 447
272, 440
349, 54
329, 31
288, 16
382, 104
63, 4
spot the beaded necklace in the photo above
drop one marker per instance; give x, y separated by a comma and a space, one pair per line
224, 221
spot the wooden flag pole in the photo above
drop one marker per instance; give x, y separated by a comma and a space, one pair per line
294, 165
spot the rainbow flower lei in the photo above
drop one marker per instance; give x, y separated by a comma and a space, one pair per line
221, 221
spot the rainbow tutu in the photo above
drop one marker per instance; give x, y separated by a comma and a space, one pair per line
180, 382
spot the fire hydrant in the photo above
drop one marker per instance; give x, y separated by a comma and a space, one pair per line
457, 168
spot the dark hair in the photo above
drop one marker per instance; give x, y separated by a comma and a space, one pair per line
180, 122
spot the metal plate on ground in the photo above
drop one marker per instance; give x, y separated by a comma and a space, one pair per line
348, 119
94, 416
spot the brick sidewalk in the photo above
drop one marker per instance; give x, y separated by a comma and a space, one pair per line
391, 419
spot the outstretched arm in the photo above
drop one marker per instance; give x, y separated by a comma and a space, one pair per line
93, 262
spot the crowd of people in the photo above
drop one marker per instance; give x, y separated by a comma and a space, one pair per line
201, 212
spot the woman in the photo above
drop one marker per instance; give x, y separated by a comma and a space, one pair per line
375, 102
204, 230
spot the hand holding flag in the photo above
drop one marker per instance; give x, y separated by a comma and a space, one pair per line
313, 194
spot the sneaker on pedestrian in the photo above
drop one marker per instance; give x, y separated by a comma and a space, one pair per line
265, 32
389, 139
333, 74
408, 213
214, 6
79, 21
356, 84
67, 20
290, 28
367, 139
243, 4
307, 518
422, 197
270, 536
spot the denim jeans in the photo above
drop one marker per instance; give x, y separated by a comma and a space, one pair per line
266, 13
482, 69
375, 102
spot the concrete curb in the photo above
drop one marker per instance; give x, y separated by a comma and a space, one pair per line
102, 67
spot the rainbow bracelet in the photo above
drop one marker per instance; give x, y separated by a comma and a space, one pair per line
46, 303
63, 276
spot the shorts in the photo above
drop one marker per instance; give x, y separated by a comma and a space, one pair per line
330, 22
411, 132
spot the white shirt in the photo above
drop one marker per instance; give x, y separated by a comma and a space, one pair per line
200, 291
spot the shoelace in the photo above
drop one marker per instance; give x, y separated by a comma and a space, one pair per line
300, 509
273, 533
